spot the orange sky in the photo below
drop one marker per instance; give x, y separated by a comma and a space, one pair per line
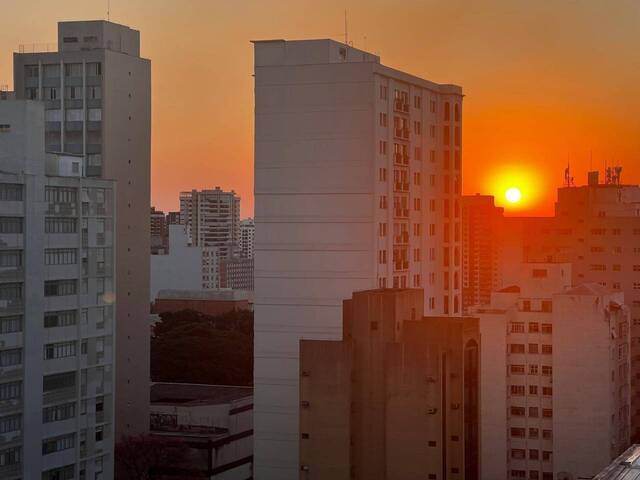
543, 79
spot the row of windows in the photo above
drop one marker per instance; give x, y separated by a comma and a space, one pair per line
534, 454
58, 444
11, 324
60, 225
11, 291
10, 423
58, 381
61, 473
61, 194
10, 456
518, 390
63, 318
401, 98
533, 475
57, 288
533, 369
10, 258
11, 357
534, 327
11, 224
534, 433
533, 412
52, 70
10, 390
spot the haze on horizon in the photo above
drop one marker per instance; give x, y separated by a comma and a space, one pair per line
545, 82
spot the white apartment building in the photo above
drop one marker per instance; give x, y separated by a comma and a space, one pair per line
96, 91
247, 235
357, 186
57, 307
562, 409
596, 228
184, 266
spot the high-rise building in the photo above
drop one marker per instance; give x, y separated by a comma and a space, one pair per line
173, 218
57, 315
236, 273
96, 91
555, 371
357, 186
596, 227
247, 235
482, 224
396, 398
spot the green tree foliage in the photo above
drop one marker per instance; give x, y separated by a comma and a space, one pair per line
190, 347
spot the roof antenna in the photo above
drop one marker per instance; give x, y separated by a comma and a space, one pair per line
346, 31
108, 10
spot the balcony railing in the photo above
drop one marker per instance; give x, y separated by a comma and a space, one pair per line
402, 238
399, 265
400, 186
399, 105
402, 133
401, 212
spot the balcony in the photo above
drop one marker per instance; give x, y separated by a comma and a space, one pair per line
400, 265
403, 238
401, 133
401, 158
62, 209
11, 274
9, 306
399, 105
400, 186
401, 212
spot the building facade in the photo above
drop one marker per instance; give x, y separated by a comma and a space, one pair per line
596, 227
397, 398
482, 230
57, 307
159, 230
237, 273
357, 185
562, 409
96, 90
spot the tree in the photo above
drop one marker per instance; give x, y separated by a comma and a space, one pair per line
191, 347
138, 457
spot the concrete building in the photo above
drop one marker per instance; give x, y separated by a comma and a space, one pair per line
183, 266
209, 302
397, 398
562, 409
96, 91
173, 218
237, 273
482, 232
57, 310
357, 185
214, 422
596, 227
247, 235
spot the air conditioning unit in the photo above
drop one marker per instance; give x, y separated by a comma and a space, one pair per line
432, 411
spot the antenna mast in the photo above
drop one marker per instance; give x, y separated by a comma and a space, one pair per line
108, 10
346, 31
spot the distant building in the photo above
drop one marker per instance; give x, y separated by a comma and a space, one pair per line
396, 398
236, 273
214, 422
57, 307
247, 235
596, 228
173, 218
482, 231
96, 91
357, 186
159, 231
562, 409
208, 302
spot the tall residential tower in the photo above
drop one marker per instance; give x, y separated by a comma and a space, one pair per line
96, 91
357, 186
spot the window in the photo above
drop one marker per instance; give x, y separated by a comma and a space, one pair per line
518, 453
517, 411
533, 348
547, 391
59, 350
99, 436
533, 369
94, 69
62, 473
517, 327
547, 328
383, 92
534, 327
60, 256
58, 381
517, 369
533, 412
383, 202
10, 423
58, 413
58, 288
60, 319
60, 225
518, 474
547, 434
516, 348
382, 229
547, 306
58, 444
517, 432
10, 258
417, 128
546, 456
10, 390
533, 454
517, 390
382, 174
526, 305
11, 324
533, 390
547, 349
383, 119
382, 148
10, 192
417, 101
10, 224
61, 194
547, 370
547, 413
446, 137
31, 71
10, 456
10, 357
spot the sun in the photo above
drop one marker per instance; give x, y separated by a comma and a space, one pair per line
513, 195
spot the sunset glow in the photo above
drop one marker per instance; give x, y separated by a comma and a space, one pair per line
513, 195
517, 188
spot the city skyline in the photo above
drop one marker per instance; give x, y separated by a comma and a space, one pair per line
531, 74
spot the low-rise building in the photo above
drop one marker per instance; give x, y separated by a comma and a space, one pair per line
208, 302
396, 398
213, 422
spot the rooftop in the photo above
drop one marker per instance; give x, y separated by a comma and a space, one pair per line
625, 467
207, 295
197, 394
